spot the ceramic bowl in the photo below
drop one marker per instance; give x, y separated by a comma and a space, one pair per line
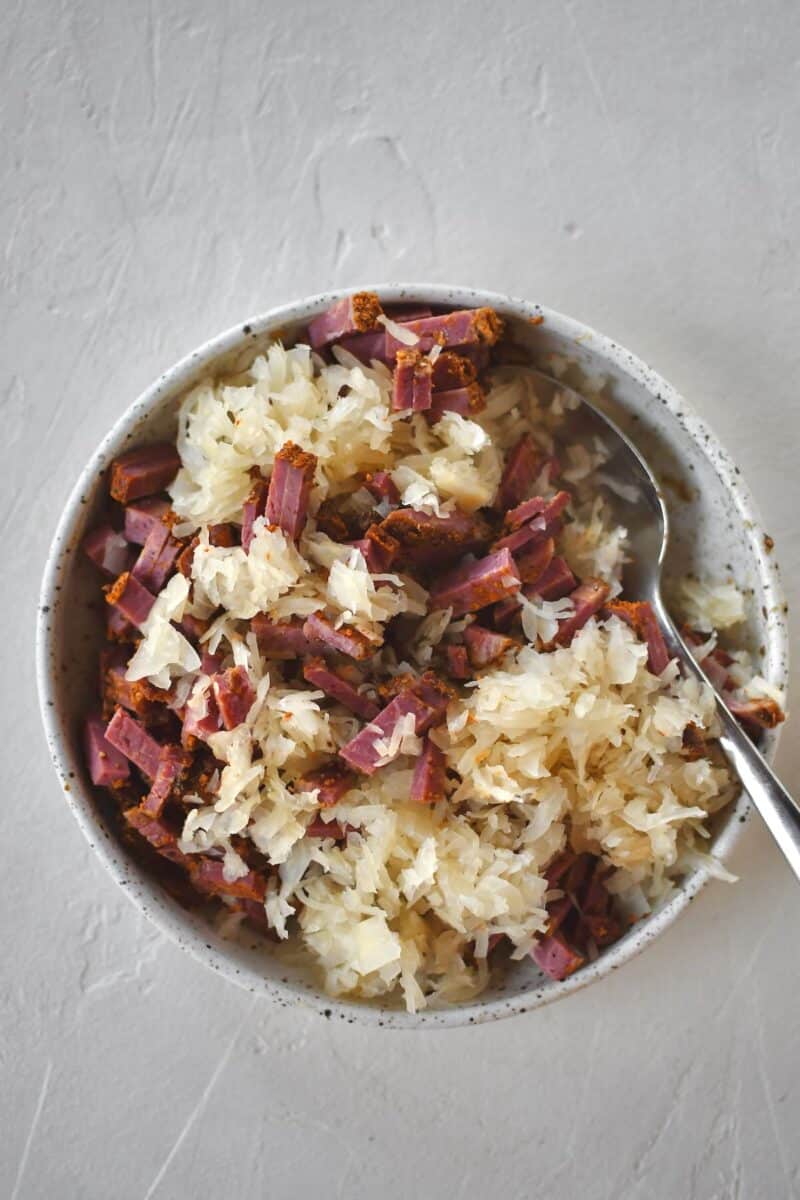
716, 530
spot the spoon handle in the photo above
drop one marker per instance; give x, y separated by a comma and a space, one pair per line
779, 810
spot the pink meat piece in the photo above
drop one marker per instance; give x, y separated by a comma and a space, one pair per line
203, 723
457, 662
556, 958
108, 550
157, 833
210, 663
550, 510
142, 516
367, 347
426, 539
403, 380
379, 549
352, 314
475, 585
253, 508
143, 471
504, 612
465, 401
641, 618
318, 828
131, 599
107, 766
588, 598
412, 382
319, 676
290, 489
382, 486
234, 694
555, 582
759, 713
172, 766
521, 468
129, 736
193, 628
484, 646
535, 559
461, 328
116, 689
429, 778
333, 781
118, 627
208, 876
453, 372
427, 699
521, 540
345, 639
284, 639
157, 558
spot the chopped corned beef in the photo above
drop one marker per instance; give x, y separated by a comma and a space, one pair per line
143, 471
108, 550
484, 646
474, 325
587, 599
254, 507
208, 875
142, 516
412, 386
350, 315
290, 489
429, 778
520, 470
761, 713
332, 782
234, 694
345, 639
379, 549
427, 538
157, 833
128, 736
555, 581
556, 958
200, 723
156, 559
427, 700
332, 684
640, 616
452, 371
367, 347
172, 767
131, 599
457, 662
477, 584
319, 828
108, 767
283, 639
533, 560
550, 509
382, 486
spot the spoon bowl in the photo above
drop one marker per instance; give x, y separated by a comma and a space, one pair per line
638, 504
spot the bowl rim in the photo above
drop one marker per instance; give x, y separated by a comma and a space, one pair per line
186, 929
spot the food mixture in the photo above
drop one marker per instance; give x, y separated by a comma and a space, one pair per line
370, 682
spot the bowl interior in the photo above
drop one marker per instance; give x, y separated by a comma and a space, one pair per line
715, 532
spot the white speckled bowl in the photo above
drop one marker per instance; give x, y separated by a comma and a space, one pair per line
715, 527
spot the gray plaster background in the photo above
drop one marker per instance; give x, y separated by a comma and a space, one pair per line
168, 169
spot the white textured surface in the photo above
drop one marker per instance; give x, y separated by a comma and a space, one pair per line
170, 169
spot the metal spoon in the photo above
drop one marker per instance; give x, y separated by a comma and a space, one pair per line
647, 522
